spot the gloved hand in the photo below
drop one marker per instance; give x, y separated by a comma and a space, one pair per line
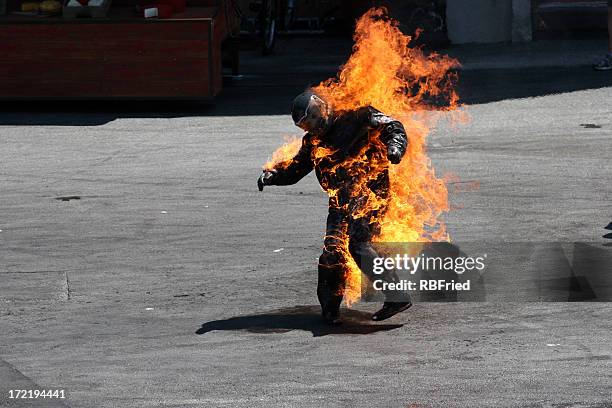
265, 179
394, 154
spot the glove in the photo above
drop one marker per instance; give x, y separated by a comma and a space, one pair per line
394, 154
265, 179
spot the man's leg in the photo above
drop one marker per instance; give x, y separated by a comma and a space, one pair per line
609, 26
361, 249
606, 63
330, 288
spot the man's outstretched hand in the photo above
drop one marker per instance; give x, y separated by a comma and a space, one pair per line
394, 154
265, 179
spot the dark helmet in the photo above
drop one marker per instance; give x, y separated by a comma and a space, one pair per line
311, 113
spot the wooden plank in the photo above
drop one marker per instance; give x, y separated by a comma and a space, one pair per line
91, 60
51, 78
117, 15
169, 89
169, 77
107, 51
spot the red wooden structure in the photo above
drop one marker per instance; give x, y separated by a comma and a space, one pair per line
120, 56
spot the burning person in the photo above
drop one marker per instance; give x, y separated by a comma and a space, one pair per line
379, 189
350, 152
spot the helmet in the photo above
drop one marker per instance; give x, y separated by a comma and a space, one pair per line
311, 113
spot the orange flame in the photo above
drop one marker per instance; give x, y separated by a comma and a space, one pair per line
403, 82
281, 158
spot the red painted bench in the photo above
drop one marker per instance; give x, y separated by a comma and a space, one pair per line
120, 56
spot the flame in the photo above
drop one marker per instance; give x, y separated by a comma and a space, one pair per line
406, 83
281, 158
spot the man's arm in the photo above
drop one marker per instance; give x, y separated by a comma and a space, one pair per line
289, 171
392, 134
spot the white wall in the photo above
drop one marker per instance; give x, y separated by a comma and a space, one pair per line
488, 21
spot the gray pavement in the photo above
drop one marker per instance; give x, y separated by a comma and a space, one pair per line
172, 281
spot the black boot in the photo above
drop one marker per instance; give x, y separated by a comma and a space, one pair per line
331, 317
390, 309
330, 304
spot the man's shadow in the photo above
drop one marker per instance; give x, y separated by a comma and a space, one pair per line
306, 318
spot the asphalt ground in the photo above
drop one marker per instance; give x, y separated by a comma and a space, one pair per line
171, 281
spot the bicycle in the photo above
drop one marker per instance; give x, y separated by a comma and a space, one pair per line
272, 15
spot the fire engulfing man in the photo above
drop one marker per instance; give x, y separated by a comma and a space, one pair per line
350, 152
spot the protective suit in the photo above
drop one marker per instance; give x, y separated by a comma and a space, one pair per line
341, 148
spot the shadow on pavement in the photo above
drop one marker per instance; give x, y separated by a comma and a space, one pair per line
93, 112
261, 94
492, 85
268, 89
306, 318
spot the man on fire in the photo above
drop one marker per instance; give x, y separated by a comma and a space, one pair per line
350, 153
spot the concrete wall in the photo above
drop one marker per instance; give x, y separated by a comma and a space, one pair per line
488, 21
